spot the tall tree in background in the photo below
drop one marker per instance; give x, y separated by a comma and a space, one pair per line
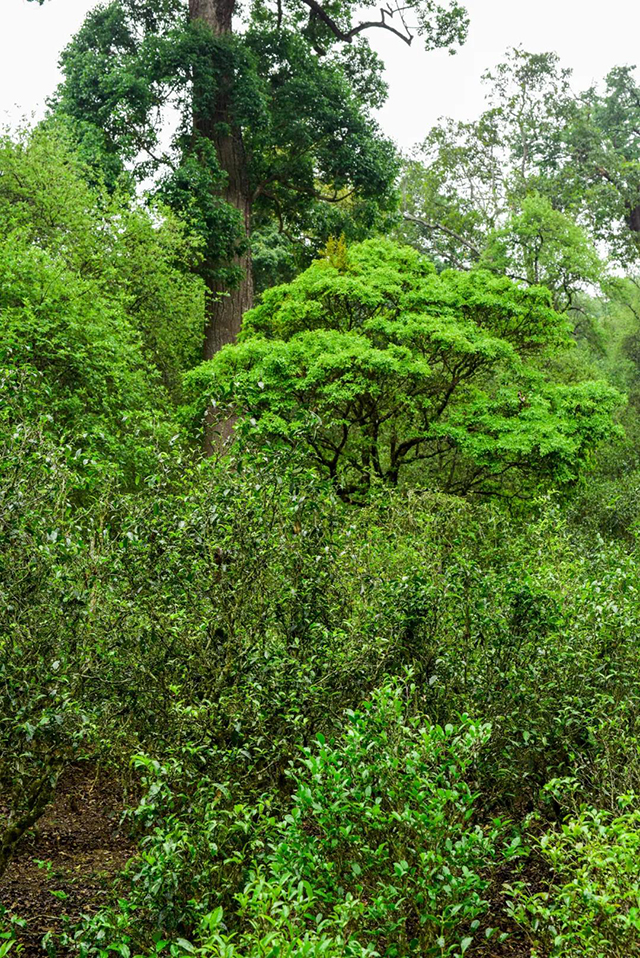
606, 149
538, 141
271, 108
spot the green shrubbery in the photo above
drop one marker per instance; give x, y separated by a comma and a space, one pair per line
381, 828
590, 907
343, 721
97, 312
379, 853
256, 780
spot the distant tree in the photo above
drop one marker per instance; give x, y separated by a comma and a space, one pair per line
467, 178
603, 162
541, 246
383, 370
537, 137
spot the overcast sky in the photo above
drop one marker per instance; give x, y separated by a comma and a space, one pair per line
590, 37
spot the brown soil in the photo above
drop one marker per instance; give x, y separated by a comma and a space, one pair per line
82, 845
516, 945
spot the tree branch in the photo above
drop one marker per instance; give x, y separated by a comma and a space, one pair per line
443, 229
368, 24
347, 35
36, 802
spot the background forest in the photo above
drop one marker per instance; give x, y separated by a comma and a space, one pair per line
319, 500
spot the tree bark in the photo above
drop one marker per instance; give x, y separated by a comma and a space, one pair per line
226, 305
633, 219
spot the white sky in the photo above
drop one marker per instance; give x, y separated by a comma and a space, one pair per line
590, 37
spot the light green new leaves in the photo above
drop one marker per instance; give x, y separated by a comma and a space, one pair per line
383, 369
544, 246
98, 316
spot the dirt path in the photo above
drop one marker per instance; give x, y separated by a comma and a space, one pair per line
82, 847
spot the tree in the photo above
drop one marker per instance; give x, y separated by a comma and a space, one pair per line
604, 162
467, 178
274, 118
537, 136
452, 192
382, 371
541, 246
99, 317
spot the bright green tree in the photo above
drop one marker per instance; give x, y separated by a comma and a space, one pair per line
99, 319
383, 370
541, 246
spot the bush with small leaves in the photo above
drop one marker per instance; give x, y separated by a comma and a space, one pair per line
590, 907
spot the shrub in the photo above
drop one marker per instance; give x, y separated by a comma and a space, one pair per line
591, 907
382, 822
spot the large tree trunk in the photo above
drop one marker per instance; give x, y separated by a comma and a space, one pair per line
226, 305
633, 219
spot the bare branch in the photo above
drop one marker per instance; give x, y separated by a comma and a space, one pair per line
439, 227
348, 35
368, 24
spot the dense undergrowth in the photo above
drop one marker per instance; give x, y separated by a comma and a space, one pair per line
403, 726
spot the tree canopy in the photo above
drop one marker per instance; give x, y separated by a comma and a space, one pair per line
272, 124
576, 152
384, 369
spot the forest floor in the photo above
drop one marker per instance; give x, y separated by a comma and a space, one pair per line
514, 946
65, 868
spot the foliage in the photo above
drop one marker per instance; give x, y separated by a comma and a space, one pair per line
82, 411
127, 266
383, 368
224, 616
467, 179
300, 97
349, 728
541, 246
539, 154
313, 607
591, 906
377, 856
9, 926
380, 835
42, 723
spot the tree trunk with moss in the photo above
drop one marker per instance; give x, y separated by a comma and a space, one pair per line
228, 302
35, 805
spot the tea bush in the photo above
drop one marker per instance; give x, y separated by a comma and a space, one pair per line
591, 906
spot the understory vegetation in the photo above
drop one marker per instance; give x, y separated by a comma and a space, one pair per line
350, 606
